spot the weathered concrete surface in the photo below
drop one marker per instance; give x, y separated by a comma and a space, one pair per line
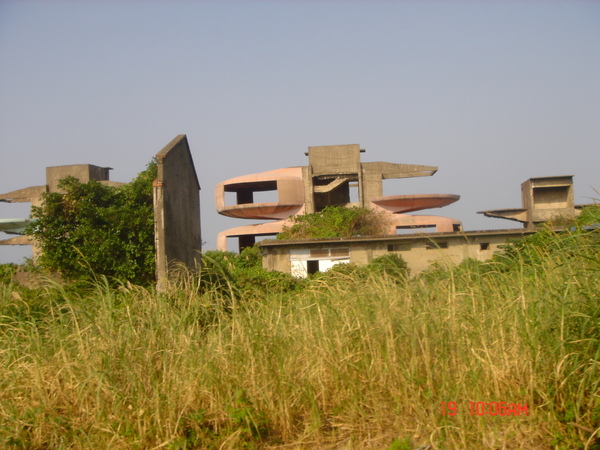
287, 182
544, 199
335, 176
419, 251
33, 195
30, 194
18, 240
177, 231
83, 172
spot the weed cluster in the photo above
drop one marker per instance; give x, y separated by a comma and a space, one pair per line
336, 221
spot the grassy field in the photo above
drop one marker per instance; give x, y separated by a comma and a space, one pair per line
352, 360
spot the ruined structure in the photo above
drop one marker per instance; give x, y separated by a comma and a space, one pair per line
304, 257
33, 195
335, 176
544, 199
177, 231
176, 191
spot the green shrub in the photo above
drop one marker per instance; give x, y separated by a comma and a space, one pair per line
242, 275
7, 271
92, 229
336, 221
391, 264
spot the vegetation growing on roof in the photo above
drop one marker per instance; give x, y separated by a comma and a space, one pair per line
336, 222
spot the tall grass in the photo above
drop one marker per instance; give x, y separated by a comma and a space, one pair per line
347, 362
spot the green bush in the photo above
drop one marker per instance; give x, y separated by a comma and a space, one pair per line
336, 221
7, 271
391, 264
242, 275
92, 229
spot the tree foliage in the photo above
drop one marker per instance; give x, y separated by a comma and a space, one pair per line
336, 221
90, 228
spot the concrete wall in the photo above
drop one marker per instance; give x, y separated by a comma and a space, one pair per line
176, 210
83, 172
419, 252
548, 198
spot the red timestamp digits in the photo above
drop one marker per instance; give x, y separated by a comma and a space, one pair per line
487, 409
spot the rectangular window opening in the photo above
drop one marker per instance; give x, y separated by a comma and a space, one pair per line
415, 229
398, 247
319, 252
340, 252
312, 266
436, 245
354, 193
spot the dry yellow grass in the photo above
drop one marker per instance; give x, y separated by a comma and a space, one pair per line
340, 364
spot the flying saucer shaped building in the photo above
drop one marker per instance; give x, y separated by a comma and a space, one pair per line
333, 177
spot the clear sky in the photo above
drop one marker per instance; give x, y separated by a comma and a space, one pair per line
491, 92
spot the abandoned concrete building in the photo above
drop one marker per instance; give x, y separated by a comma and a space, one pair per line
176, 205
544, 199
33, 195
335, 176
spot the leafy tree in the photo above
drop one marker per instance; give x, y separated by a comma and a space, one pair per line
336, 221
91, 228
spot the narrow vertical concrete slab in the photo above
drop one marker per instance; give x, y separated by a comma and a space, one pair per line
177, 231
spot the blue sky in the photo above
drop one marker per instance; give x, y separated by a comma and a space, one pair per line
492, 93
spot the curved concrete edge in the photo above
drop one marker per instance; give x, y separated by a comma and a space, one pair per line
289, 174
441, 224
259, 229
408, 203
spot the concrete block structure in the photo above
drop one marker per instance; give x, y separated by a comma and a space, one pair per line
177, 230
33, 195
334, 176
176, 193
305, 257
544, 199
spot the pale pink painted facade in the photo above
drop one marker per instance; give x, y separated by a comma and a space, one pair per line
328, 179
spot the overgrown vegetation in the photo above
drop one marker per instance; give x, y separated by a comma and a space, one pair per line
336, 221
241, 275
341, 360
93, 229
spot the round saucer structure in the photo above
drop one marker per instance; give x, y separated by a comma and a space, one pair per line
406, 203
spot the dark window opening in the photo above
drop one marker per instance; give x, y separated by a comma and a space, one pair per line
484, 246
251, 192
436, 245
398, 247
312, 267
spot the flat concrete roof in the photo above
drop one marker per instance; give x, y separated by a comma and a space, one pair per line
516, 232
